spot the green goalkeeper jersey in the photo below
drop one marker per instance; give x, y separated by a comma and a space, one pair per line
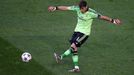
84, 19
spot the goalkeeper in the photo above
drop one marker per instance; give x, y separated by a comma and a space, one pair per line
85, 16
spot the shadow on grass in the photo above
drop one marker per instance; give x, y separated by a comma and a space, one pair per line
11, 64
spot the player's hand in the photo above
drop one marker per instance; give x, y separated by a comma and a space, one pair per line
116, 21
51, 8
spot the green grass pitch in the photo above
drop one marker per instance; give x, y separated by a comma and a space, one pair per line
26, 25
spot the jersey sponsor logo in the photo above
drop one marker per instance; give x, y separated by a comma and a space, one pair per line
81, 18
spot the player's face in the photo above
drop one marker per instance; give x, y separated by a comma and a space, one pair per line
84, 9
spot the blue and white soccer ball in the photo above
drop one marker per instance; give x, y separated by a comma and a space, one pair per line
26, 57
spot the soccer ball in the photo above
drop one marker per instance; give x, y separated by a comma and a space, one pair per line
26, 57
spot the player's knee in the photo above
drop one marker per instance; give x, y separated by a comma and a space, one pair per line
74, 49
73, 45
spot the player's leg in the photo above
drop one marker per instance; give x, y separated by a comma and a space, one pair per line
60, 57
74, 58
79, 40
67, 52
76, 41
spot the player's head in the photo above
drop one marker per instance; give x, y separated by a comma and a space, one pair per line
83, 6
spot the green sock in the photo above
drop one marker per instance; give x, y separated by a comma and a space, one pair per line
66, 53
75, 60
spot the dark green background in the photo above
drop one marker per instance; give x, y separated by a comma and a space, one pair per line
26, 25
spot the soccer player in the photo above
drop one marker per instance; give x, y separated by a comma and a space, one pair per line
85, 16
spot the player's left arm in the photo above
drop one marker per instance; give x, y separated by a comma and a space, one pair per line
106, 18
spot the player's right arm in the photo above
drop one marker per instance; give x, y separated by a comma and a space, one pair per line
53, 8
102, 17
106, 18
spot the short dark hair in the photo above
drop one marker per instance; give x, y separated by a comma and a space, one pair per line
82, 4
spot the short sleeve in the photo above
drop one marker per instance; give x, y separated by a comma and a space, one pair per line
94, 14
75, 8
